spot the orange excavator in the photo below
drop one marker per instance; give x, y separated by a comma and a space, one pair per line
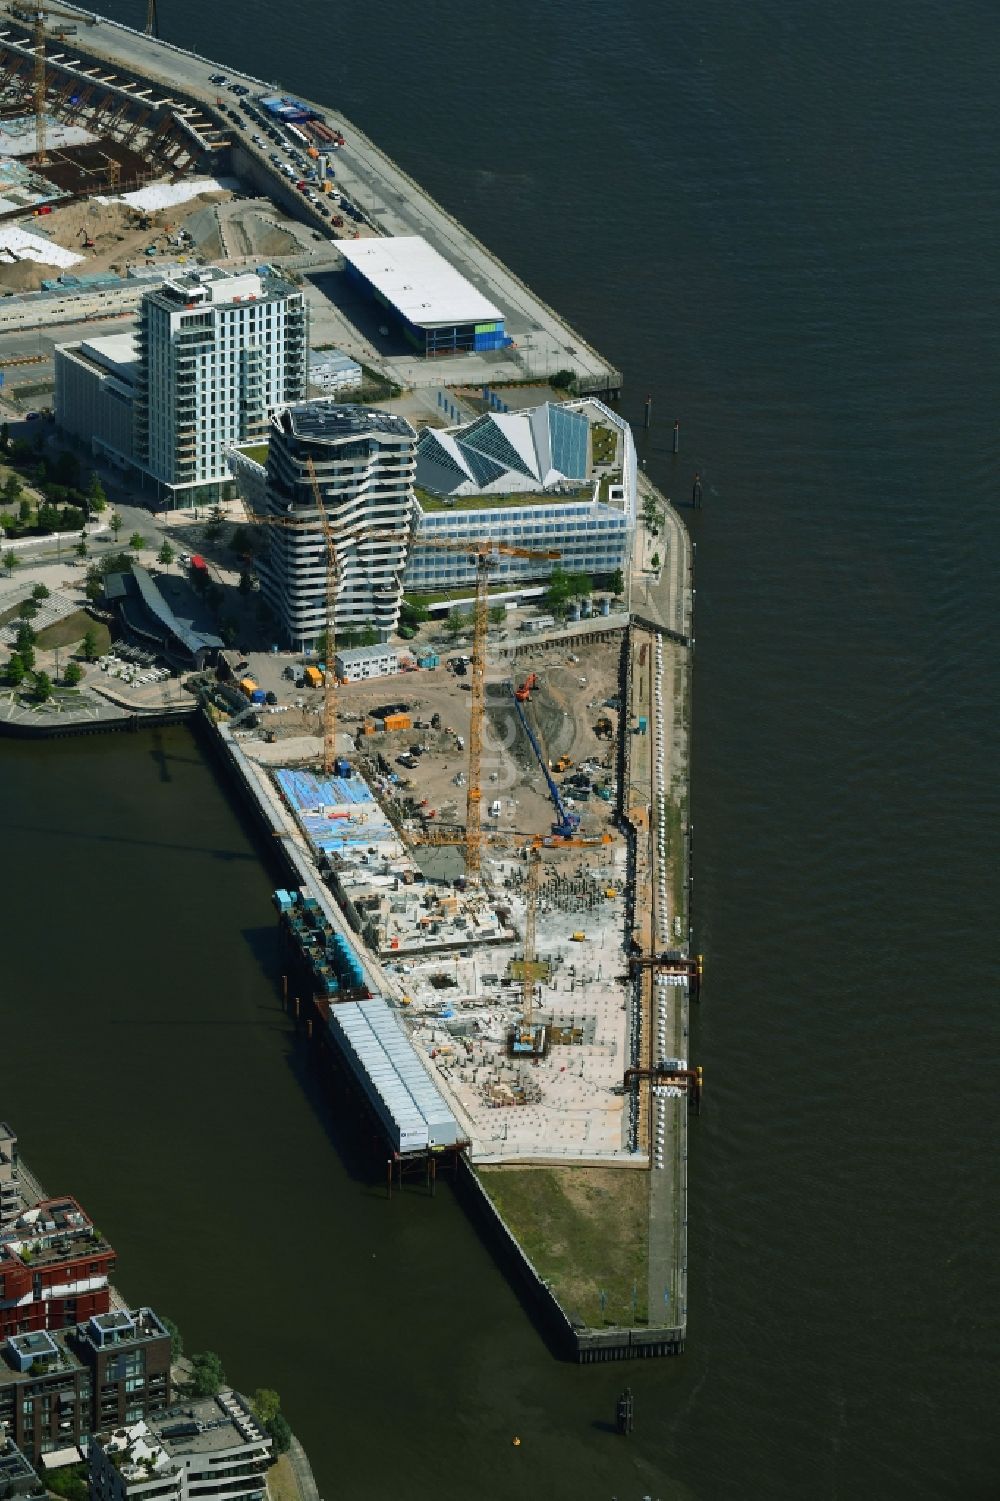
523, 693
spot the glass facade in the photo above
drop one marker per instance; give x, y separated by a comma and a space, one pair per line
590, 539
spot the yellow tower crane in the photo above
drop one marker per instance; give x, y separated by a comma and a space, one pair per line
484, 554
304, 524
35, 15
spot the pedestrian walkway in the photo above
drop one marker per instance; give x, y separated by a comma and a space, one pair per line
56, 607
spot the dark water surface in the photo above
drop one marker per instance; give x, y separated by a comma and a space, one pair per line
781, 220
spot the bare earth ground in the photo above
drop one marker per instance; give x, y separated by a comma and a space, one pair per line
122, 234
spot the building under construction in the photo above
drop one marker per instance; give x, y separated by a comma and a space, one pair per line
86, 128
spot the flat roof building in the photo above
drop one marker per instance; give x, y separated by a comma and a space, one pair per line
528, 479
58, 1387
94, 391
334, 372
17, 1477
435, 307
213, 354
10, 1185
363, 662
54, 1268
211, 1449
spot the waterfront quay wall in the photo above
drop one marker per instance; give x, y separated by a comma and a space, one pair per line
389, 199
65, 727
582, 1344
572, 1341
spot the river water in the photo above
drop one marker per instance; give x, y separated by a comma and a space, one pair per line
781, 222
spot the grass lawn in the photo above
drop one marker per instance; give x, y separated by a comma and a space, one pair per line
255, 451
6, 616
606, 481
585, 1230
429, 502
466, 591
72, 629
603, 444
281, 1482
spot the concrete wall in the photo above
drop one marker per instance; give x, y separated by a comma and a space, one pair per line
40, 309
91, 404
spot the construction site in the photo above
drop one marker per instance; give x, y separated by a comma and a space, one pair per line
486, 923
503, 832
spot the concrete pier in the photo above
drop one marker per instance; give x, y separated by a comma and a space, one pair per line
391, 201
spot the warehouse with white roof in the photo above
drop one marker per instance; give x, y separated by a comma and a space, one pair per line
434, 306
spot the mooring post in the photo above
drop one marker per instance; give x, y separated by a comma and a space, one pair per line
284, 992
696, 491
677, 437
648, 414
388, 1177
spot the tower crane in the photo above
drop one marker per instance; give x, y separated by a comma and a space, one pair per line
34, 14
484, 555
302, 524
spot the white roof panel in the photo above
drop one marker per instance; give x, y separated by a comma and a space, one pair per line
418, 281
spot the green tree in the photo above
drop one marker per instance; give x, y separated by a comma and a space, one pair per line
137, 541
229, 631
43, 687
67, 469
69, 1482
618, 582
176, 1338
369, 636
116, 523
323, 643
455, 622
8, 521
209, 1375
73, 674
89, 645
12, 489
245, 585
27, 609
652, 515
563, 380
265, 1403
498, 614
24, 510
414, 611
40, 592
25, 636
654, 561
81, 549
559, 591
280, 1432
165, 555
580, 584
216, 517
16, 670
94, 585
96, 496
243, 542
